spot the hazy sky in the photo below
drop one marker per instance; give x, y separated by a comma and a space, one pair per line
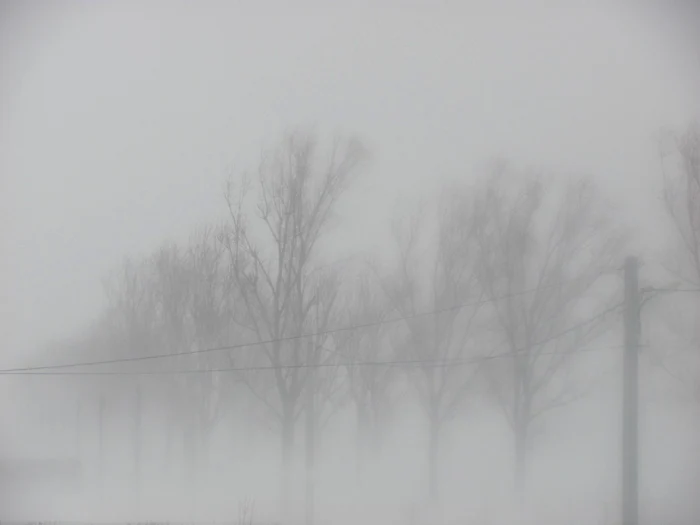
118, 120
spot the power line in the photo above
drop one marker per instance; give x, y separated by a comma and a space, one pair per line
427, 363
437, 363
671, 290
274, 340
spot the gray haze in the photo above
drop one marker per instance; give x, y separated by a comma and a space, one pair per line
120, 121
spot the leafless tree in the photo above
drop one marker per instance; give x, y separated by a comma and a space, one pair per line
273, 258
682, 199
176, 300
210, 308
542, 256
130, 307
132, 318
681, 192
104, 339
192, 289
369, 386
325, 372
436, 273
322, 383
172, 289
246, 511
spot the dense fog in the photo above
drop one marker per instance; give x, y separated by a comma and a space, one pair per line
338, 265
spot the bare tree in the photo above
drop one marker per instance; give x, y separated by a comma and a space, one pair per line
369, 386
682, 199
322, 383
105, 338
326, 378
541, 259
132, 319
130, 307
172, 289
439, 281
178, 300
273, 259
681, 192
210, 307
193, 294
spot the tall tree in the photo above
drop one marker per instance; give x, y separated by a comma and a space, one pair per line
322, 383
681, 192
369, 386
436, 271
131, 313
212, 302
542, 256
273, 254
194, 304
172, 291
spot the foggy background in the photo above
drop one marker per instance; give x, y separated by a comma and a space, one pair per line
120, 123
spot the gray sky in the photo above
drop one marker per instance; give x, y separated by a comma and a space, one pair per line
118, 120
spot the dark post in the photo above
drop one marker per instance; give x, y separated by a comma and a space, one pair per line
101, 417
630, 394
310, 448
137, 445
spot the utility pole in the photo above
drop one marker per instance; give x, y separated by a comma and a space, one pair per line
310, 446
630, 395
137, 446
78, 443
312, 361
101, 459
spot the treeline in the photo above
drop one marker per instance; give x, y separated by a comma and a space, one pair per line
490, 294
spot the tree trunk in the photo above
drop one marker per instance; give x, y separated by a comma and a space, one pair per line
433, 447
375, 432
287, 443
310, 451
203, 437
168, 443
361, 445
78, 444
521, 422
138, 409
190, 464
102, 455
520, 436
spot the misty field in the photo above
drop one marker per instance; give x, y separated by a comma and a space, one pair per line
341, 265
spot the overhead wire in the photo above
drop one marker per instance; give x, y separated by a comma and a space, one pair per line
237, 346
425, 363
671, 290
406, 362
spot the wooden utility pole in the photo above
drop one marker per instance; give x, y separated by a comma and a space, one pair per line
137, 433
78, 443
311, 361
101, 459
630, 395
137, 446
310, 446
